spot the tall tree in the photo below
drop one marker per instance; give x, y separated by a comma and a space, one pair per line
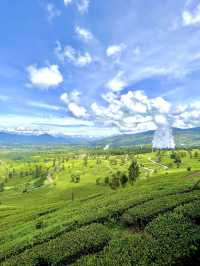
133, 171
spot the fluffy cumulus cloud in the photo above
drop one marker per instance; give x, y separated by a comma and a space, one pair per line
161, 105
45, 77
132, 102
83, 33
117, 83
191, 14
72, 96
133, 112
73, 56
114, 50
77, 110
72, 100
187, 115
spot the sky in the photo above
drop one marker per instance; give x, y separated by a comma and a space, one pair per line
98, 68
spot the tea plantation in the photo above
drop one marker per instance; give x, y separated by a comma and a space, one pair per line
92, 207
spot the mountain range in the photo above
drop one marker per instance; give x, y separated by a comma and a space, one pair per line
190, 137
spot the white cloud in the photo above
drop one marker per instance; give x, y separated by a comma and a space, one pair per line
133, 111
117, 83
73, 96
187, 115
161, 105
160, 119
73, 56
67, 2
84, 33
83, 60
114, 50
191, 17
65, 98
52, 11
54, 125
45, 106
135, 101
45, 77
83, 6
77, 110
72, 100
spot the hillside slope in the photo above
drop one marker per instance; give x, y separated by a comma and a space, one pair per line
188, 137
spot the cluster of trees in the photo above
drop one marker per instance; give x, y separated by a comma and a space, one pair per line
120, 179
177, 158
75, 178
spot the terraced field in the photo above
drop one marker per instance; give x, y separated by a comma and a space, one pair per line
47, 218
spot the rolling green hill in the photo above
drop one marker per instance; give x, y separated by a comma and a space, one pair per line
48, 219
188, 137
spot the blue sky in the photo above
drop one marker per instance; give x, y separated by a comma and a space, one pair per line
97, 68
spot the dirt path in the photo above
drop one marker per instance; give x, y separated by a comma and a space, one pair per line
148, 169
164, 166
49, 179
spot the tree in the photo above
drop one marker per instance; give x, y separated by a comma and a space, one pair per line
85, 161
115, 182
75, 178
38, 171
1, 187
98, 181
133, 171
123, 179
106, 180
177, 160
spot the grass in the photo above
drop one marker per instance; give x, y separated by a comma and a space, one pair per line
35, 211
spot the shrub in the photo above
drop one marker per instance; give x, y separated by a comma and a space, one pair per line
75, 178
98, 181
190, 210
1, 186
168, 240
123, 179
115, 182
106, 180
176, 239
141, 215
66, 248
39, 225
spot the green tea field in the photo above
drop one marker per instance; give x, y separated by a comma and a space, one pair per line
96, 207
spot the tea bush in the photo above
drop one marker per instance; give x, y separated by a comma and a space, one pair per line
64, 249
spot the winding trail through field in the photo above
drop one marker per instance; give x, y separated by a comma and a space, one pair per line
164, 166
148, 169
49, 179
